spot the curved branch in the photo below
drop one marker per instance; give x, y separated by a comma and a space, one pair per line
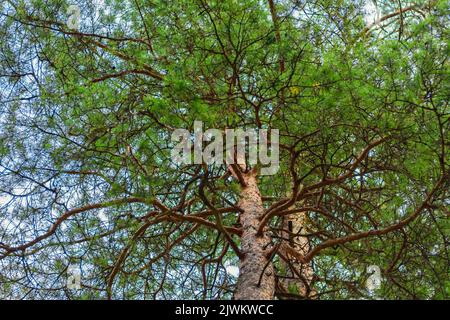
361, 235
66, 216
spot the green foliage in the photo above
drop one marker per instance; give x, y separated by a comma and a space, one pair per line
86, 118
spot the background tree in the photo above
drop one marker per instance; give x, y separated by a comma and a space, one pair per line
87, 178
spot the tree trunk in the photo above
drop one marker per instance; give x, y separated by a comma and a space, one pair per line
298, 276
256, 273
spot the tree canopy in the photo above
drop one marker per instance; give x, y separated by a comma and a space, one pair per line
87, 178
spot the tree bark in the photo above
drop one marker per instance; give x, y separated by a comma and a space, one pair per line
298, 276
256, 273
